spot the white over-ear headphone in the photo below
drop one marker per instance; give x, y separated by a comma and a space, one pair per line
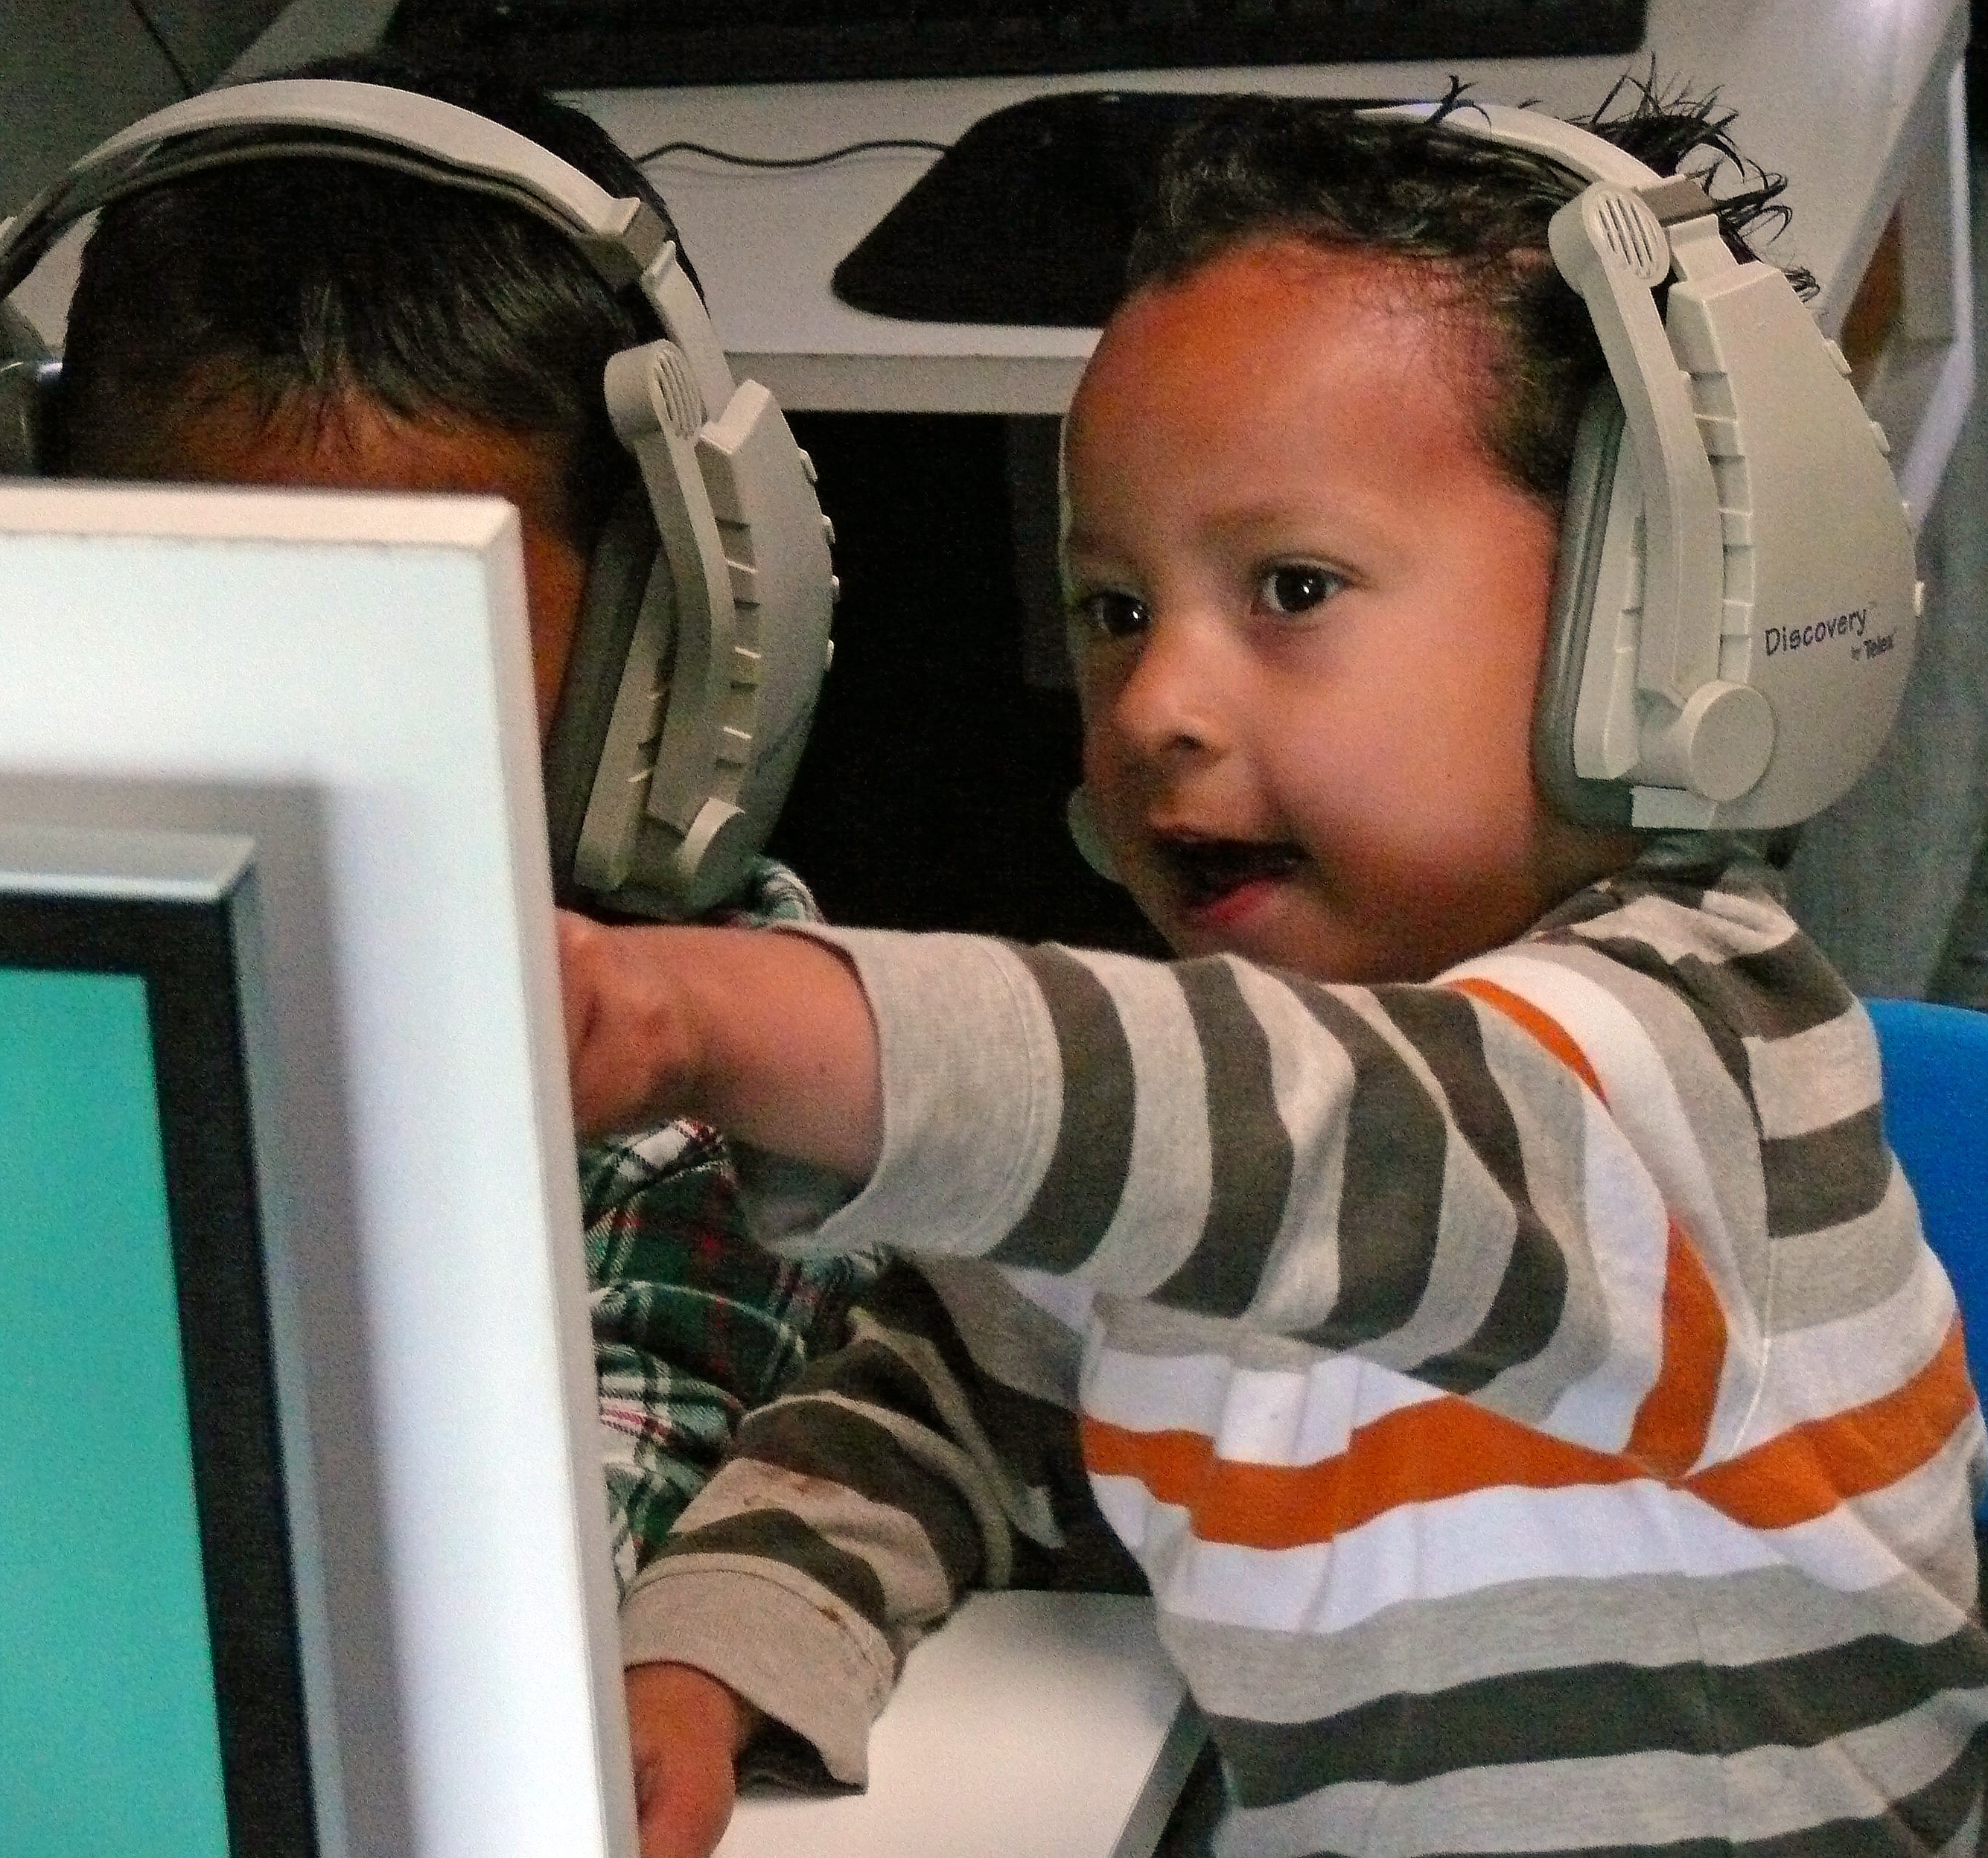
703, 643
1737, 610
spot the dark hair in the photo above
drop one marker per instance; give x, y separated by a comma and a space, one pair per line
298, 280
1466, 217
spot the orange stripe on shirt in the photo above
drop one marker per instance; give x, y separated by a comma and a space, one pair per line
1806, 1471
1449, 1447
1442, 1447
1528, 1017
1674, 1418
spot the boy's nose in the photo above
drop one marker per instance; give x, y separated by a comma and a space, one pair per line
1172, 704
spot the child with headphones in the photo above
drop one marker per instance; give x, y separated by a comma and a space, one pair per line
1470, 1280
330, 323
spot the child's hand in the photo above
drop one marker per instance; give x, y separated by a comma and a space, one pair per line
767, 1037
628, 1024
685, 1729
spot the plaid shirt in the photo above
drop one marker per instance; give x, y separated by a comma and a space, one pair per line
693, 1323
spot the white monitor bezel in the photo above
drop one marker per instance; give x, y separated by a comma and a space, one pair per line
346, 679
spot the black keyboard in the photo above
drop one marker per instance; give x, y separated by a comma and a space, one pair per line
594, 44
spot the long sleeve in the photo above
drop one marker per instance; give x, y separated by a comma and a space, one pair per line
1578, 1180
853, 1513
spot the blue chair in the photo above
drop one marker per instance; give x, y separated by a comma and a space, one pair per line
1935, 1064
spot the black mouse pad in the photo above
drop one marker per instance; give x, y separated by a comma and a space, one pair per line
1027, 218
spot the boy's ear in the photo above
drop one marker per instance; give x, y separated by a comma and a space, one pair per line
30, 378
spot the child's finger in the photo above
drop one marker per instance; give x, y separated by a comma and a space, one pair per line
684, 1729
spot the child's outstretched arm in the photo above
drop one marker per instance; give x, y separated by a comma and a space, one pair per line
767, 1037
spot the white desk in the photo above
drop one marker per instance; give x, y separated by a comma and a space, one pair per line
1850, 99
1857, 101
1034, 1726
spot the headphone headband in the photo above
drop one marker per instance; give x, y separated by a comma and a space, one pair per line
467, 143
1579, 150
342, 120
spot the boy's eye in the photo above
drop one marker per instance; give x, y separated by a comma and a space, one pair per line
1110, 615
1293, 587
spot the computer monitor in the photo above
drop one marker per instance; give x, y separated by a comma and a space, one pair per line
154, 1703
344, 681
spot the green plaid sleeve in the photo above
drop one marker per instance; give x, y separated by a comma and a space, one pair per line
693, 1323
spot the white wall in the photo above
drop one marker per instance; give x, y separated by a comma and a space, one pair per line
73, 71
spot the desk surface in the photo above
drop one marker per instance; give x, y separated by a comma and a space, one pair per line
1823, 90
1030, 1725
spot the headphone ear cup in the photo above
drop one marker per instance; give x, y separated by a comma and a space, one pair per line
1593, 485
618, 574
30, 378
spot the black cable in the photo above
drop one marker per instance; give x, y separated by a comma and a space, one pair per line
834, 154
187, 86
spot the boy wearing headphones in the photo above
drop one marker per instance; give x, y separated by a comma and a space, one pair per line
1473, 1273
322, 323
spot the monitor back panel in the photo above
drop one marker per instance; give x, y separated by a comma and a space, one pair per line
345, 679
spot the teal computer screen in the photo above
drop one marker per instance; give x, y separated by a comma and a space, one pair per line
150, 1701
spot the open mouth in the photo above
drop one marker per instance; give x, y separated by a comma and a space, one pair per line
1210, 870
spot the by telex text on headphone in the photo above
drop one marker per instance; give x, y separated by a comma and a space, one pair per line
1735, 610
704, 633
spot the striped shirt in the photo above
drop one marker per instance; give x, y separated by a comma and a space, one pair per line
1528, 1395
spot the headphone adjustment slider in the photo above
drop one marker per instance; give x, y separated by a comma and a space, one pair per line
1676, 199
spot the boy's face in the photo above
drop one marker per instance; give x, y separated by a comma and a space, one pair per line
1310, 618
365, 446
